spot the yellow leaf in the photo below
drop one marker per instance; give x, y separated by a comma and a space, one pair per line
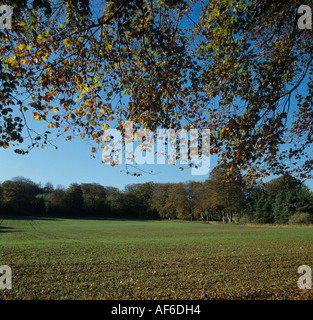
67, 42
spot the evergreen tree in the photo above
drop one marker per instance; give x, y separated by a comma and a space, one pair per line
304, 201
279, 208
264, 209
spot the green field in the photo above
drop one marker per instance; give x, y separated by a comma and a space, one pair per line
110, 259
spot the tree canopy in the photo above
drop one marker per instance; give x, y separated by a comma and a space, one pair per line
242, 69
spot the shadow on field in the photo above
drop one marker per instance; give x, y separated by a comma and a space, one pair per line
60, 218
6, 229
28, 218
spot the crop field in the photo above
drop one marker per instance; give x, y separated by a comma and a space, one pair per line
164, 260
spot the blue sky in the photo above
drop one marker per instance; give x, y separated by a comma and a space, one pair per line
71, 162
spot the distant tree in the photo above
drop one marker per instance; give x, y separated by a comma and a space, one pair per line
194, 195
172, 200
177, 204
225, 196
114, 199
264, 209
94, 199
56, 203
280, 209
204, 206
159, 201
252, 195
145, 192
293, 201
19, 196
282, 184
304, 200
137, 198
48, 187
40, 207
130, 205
74, 200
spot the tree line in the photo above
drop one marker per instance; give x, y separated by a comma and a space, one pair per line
282, 200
